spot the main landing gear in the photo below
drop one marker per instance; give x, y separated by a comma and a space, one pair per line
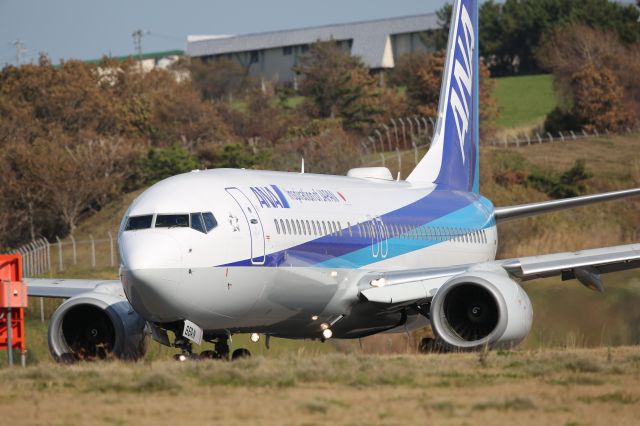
220, 350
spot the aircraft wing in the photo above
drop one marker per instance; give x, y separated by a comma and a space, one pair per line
63, 288
504, 214
409, 287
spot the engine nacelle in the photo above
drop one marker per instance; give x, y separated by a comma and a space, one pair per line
97, 325
478, 309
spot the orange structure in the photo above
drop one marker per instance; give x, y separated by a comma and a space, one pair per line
13, 301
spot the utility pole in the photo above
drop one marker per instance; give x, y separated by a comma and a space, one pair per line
137, 44
20, 51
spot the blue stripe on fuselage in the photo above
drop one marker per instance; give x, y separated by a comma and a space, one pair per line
439, 208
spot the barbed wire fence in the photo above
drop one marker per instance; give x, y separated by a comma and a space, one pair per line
390, 142
42, 257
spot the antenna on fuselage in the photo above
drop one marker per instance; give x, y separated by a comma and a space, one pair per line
302, 166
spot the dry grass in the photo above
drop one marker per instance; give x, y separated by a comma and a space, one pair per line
576, 386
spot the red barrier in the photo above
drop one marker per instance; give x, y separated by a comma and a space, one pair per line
13, 300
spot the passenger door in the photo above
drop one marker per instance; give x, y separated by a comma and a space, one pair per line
257, 252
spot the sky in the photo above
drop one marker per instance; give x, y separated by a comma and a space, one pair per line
88, 29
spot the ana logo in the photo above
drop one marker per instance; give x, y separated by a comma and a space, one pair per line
463, 74
270, 197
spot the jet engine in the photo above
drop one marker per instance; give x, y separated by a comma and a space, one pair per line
481, 309
97, 325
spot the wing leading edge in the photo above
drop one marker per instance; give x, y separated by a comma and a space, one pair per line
417, 286
63, 288
524, 210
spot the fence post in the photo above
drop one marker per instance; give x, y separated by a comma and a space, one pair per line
60, 264
595, 131
33, 257
42, 309
415, 153
528, 139
550, 137
426, 130
506, 144
404, 133
584, 133
539, 138
111, 247
517, 142
48, 254
561, 136
386, 128
413, 136
373, 143
93, 251
75, 253
418, 126
381, 141
399, 160
573, 135
395, 130
383, 159
43, 256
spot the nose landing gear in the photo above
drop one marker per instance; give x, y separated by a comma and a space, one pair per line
220, 350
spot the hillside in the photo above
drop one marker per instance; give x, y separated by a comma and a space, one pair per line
524, 101
594, 319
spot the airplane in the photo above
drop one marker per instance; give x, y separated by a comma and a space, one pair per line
212, 253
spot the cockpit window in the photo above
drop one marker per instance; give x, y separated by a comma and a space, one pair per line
172, 221
209, 221
203, 222
139, 222
196, 222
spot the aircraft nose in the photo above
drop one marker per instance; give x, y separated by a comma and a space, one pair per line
150, 250
151, 271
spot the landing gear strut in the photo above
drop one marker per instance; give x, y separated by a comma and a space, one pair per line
220, 350
186, 350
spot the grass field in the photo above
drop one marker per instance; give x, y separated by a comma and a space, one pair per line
560, 387
524, 101
594, 319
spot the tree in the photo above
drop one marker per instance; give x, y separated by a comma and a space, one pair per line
161, 163
597, 99
421, 74
511, 33
337, 85
218, 79
438, 38
596, 76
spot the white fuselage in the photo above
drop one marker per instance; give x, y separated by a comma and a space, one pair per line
288, 248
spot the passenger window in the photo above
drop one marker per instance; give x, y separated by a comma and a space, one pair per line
288, 227
315, 231
197, 223
298, 226
172, 221
139, 222
350, 230
275, 221
308, 228
209, 221
339, 228
284, 231
359, 230
324, 227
